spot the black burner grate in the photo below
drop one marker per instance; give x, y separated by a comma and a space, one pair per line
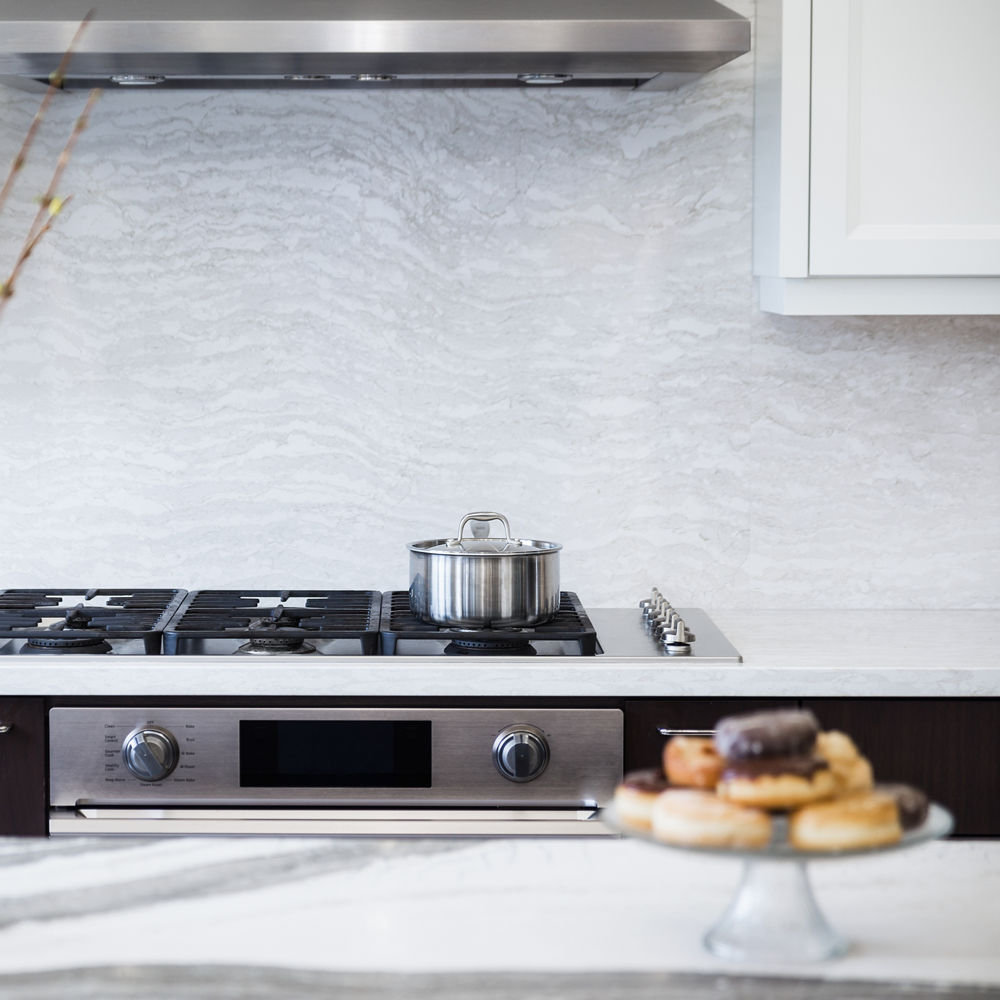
64, 619
272, 615
571, 625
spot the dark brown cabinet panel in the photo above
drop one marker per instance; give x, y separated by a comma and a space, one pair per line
23, 797
644, 719
949, 747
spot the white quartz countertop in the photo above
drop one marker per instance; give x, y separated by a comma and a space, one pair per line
801, 653
131, 912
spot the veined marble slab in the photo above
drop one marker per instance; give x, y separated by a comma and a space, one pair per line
222, 982
785, 653
535, 906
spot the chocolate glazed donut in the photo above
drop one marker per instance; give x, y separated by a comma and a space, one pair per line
781, 733
911, 802
635, 795
770, 761
803, 766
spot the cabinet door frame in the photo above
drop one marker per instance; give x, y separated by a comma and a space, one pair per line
23, 785
841, 240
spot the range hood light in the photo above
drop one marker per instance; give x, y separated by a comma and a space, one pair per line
545, 79
373, 77
137, 80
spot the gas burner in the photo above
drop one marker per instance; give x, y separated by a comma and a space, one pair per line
569, 633
66, 644
512, 646
274, 645
275, 623
38, 622
66, 637
281, 635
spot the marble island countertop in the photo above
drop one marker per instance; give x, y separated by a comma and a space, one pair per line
801, 653
580, 918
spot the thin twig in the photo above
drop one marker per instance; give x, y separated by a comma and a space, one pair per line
55, 84
46, 202
7, 289
50, 206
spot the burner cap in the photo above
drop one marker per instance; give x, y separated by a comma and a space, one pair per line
490, 647
275, 645
66, 644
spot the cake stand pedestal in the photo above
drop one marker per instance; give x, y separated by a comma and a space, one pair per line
774, 916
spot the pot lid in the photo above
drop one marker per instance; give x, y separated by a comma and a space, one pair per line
479, 544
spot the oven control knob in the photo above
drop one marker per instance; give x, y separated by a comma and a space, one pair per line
150, 753
520, 753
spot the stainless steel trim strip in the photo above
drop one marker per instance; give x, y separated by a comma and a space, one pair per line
343, 823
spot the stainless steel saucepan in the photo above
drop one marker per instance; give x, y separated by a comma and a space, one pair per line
484, 582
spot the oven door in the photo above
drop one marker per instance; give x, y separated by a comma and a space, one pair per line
344, 771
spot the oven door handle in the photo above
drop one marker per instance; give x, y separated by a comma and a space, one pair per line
90, 820
664, 731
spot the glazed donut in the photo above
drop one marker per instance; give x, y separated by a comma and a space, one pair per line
692, 762
865, 819
634, 797
779, 733
776, 782
911, 802
851, 771
694, 817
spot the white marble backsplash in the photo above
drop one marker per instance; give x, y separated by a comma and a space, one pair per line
275, 338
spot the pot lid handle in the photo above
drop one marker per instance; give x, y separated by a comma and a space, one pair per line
483, 515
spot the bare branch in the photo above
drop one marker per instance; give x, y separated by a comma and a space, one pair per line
7, 287
50, 206
55, 85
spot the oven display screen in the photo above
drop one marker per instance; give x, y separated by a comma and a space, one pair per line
334, 754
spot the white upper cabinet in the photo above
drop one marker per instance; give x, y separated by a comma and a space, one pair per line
877, 156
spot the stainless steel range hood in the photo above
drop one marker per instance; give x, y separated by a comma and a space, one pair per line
370, 44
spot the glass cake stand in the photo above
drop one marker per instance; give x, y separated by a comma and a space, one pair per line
774, 915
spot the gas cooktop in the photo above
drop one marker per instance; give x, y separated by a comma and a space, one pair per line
294, 623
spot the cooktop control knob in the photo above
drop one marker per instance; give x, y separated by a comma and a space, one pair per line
520, 752
150, 753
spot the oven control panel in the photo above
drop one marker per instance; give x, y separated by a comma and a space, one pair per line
334, 756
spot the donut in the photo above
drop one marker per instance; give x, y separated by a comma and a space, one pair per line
864, 819
911, 803
776, 782
635, 794
697, 818
692, 762
779, 733
851, 771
